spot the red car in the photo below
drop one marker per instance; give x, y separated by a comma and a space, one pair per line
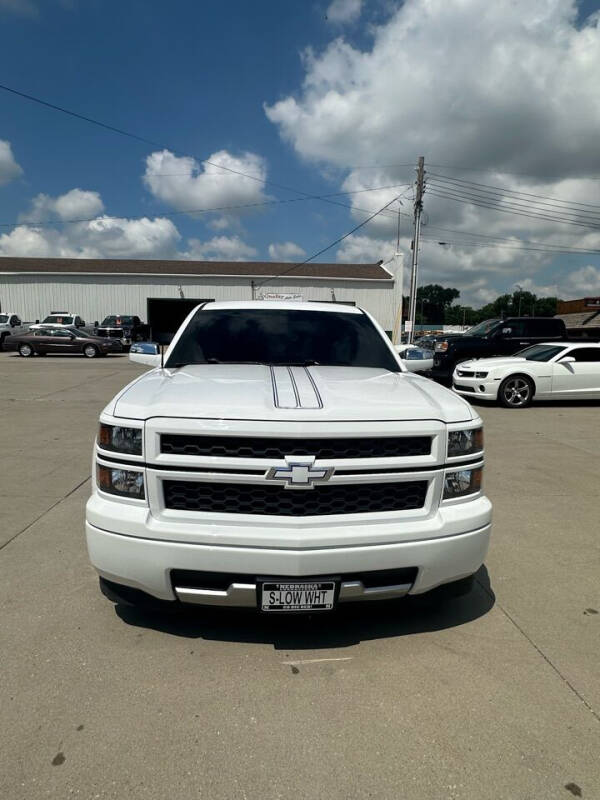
61, 340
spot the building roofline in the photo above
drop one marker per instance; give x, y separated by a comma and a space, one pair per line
258, 270
382, 280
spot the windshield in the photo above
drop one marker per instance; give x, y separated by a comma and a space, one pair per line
483, 328
58, 319
279, 336
82, 334
117, 320
3, 318
540, 352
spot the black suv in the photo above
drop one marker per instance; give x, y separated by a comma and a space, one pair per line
494, 337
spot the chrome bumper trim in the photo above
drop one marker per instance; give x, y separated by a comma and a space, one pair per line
238, 594
355, 590
244, 594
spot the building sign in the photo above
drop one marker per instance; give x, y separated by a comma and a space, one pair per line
591, 302
281, 296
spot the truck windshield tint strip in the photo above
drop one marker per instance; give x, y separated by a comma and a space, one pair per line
278, 337
266, 447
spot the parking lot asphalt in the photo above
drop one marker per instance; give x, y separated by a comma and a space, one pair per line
495, 695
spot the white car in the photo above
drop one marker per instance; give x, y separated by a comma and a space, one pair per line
59, 319
415, 359
280, 457
547, 371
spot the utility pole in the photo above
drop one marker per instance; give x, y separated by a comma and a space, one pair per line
415, 247
398, 283
520, 288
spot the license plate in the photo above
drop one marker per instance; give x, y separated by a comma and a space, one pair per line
297, 596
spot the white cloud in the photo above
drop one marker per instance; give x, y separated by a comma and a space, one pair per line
359, 249
285, 251
509, 88
220, 248
344, 11
74, 204
504, 84
9, 169
185, 185
105, 237
101, 237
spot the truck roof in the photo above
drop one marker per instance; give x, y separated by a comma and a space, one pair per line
288, 305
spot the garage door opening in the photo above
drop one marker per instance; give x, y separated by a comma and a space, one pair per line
165, 315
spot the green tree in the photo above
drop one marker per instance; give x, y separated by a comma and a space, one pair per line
432, 302
461, 315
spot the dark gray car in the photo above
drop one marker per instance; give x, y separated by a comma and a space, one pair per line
44, 341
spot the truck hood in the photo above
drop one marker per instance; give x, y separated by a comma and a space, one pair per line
258, 392
460, 338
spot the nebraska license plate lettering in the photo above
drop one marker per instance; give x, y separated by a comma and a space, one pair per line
317, 596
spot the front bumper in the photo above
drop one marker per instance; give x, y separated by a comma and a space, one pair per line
146, 563
475, 388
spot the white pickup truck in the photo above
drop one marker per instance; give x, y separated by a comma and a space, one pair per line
280, 457
10, 325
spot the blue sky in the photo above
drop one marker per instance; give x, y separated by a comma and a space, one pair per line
302, 93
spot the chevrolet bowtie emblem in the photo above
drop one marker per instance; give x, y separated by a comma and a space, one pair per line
300, 473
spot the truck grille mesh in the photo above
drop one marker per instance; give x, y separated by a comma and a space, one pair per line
114, 333
232, 498
265, 447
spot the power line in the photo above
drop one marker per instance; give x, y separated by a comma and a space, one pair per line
160, 145
500, 171
507, 209
486, 236
538, 199
38, 223
517, 206
329, 246
550, 249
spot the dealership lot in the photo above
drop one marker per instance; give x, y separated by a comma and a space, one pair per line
494, 696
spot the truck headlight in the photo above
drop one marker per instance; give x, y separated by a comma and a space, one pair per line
441, 347
463, 482
120, 439
122, 482
463, 443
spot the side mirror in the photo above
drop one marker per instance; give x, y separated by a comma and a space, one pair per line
567, 360
95, 323
81, 324
146, 353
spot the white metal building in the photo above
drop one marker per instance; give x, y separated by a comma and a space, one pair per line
94, 288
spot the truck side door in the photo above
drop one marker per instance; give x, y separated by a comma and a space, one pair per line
509, 338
